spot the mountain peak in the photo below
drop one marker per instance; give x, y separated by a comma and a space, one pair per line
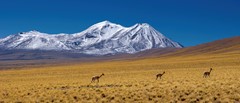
141, 25
145, 24
32, 32
103, 23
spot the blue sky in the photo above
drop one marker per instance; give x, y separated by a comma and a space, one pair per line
190, 22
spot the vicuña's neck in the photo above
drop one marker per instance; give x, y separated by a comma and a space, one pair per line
101, 75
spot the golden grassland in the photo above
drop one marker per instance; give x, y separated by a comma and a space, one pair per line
128, 81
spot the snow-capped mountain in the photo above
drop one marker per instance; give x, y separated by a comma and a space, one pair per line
100, 39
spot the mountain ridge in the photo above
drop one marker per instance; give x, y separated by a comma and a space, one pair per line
99, 39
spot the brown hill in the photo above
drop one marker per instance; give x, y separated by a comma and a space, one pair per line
228, 45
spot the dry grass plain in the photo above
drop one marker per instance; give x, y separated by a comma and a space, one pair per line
128, 81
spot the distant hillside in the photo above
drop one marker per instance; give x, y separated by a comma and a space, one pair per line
22, 58
228, 45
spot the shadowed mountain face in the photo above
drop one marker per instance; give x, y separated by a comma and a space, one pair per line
10, 59
7, 55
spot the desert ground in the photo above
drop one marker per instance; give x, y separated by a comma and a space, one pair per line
128, 81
